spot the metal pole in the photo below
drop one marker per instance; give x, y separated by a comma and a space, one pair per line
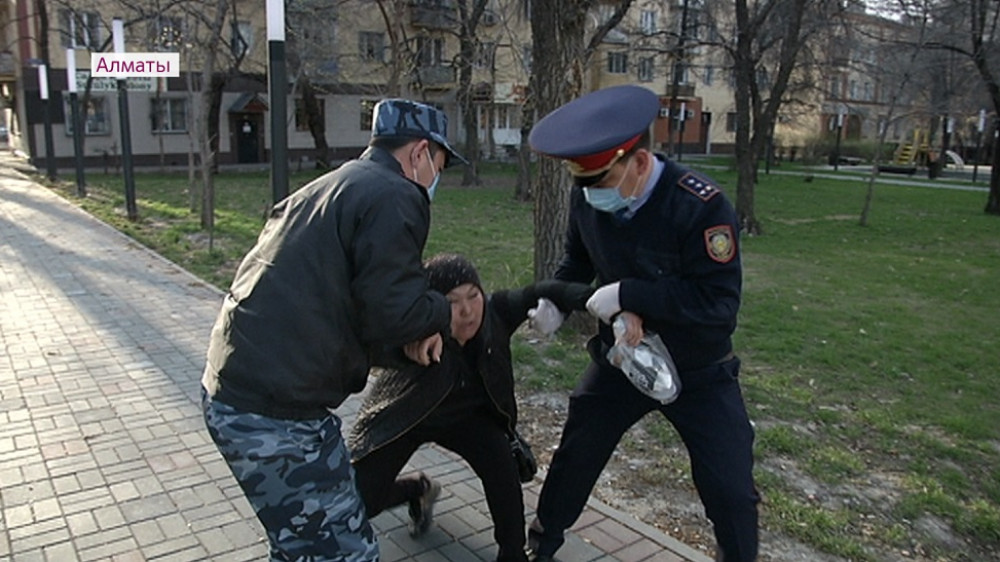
682, 116
836, 152
979, 143
43, 87
278, 93
81, 187
118, 31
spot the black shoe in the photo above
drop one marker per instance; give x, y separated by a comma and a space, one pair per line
422, 509
540, 558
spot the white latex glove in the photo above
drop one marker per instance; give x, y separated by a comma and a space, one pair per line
546, 317
604, 302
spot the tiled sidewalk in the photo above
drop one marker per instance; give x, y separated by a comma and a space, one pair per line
103, 452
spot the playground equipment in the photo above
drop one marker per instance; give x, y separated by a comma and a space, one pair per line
914, 153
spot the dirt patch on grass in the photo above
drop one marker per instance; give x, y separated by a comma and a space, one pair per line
652, 482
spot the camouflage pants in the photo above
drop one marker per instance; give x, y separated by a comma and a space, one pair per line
298, 477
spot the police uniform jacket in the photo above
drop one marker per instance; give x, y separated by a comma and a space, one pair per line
335, 273
677, 260
402, 397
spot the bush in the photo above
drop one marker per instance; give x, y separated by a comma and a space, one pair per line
818, 149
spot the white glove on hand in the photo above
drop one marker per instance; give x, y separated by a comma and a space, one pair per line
546, 317
604, 302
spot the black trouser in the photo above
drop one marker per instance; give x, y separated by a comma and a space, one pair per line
478, 439
710, 417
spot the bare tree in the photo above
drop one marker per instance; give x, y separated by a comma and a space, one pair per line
468, 20
769, 29
903, 70
980, 43
310, 43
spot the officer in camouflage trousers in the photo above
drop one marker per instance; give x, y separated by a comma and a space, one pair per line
334, 277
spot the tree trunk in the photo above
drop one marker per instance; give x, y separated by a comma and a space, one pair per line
523, 187
315, 119
558, 37
467, 49
745, 157
208, 131
993, 199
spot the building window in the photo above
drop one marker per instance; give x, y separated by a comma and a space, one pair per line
646, 69
313, 32
617, 63
242, 39
167, 33
869, 92
485, 54
169, 115
95, 117
681, 73
731, 122
367, 107
430, 51
81, 30
647, 22
302, 116
526, 57
835, 88
852, 90
709, 75
371, 45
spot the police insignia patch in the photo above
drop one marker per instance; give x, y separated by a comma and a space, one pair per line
719, 243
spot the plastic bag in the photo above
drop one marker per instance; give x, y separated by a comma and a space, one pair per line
648, 365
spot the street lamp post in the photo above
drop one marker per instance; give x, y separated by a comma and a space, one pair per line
81, 188
43, 92
278, 93
980, 127
836, 152
118, 32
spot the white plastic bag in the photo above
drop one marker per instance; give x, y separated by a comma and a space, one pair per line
648, 365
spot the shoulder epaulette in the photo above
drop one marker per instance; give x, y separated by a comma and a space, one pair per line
699, 186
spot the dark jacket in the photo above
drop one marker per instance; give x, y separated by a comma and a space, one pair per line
335, 273
675, 268
401, 398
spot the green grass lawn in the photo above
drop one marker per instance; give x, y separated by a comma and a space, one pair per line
870, 353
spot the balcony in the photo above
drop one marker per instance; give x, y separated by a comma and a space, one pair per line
433, 14
438, 76
683, 90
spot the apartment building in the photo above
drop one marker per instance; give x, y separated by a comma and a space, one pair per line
345, 56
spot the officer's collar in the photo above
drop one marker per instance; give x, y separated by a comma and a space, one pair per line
383, 157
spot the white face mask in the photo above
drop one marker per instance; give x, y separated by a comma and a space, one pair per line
432, 188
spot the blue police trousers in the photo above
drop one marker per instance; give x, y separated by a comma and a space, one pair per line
711, 419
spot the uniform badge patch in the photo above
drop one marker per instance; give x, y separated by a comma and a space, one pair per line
699, 186
719, 243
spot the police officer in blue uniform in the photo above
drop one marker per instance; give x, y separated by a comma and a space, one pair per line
662, 243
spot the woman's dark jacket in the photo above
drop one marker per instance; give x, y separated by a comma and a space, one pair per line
402, 397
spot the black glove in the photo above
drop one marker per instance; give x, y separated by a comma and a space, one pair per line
527, 466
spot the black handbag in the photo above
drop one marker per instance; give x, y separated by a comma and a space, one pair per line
527, 466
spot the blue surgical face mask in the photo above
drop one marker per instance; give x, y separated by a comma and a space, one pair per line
608, 199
